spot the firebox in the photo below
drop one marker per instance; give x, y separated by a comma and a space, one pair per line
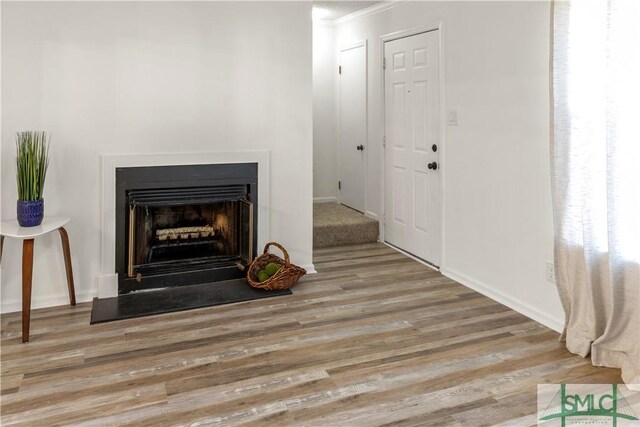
184, 225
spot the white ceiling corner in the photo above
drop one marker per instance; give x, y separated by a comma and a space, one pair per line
329, 10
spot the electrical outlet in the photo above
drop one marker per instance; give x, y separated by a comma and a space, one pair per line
551, 273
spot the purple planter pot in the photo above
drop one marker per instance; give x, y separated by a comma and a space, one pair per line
30, 212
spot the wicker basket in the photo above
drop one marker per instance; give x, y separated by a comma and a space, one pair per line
287, 276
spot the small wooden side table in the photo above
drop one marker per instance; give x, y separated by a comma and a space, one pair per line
27, 235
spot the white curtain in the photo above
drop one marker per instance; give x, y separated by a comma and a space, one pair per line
596, 178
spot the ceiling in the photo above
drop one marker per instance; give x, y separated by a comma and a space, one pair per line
332, 10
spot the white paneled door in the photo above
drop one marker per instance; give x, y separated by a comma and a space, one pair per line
353, 126
412, 170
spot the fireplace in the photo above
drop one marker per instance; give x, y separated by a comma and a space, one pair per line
184, 225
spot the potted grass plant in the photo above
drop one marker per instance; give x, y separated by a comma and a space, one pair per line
32, 161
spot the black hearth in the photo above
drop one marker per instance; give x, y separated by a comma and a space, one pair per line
184, 225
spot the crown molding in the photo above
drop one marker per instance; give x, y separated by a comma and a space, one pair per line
371, 10
324, 23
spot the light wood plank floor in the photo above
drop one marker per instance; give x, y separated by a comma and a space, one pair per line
375, 338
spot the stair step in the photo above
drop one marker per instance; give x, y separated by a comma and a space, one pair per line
337, 225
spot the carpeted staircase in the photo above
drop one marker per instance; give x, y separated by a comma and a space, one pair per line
336, 225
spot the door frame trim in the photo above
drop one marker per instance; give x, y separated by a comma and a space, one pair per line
360, 43
408, 32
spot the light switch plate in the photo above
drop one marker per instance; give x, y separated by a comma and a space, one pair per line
452, 118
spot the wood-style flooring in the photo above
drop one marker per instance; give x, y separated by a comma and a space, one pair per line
374, 338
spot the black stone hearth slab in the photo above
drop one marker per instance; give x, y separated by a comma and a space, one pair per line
139, 304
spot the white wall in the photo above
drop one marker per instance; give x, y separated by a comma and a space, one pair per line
146, 77
325, 145
498, 223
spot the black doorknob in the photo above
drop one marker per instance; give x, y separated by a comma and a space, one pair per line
360, 147
434, 147
433, 165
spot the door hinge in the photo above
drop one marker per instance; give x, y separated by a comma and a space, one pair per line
384, 140
384, 63
339, 185
339, 69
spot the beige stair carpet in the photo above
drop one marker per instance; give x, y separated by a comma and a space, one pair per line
336, 225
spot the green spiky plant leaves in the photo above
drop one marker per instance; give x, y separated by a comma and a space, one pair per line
32, 161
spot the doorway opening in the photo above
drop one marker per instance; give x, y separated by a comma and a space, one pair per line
340, 147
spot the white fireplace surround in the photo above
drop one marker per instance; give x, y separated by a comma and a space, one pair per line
108, 279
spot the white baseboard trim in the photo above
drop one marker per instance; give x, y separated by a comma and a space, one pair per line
50, 301
330, 199
520, 306
371, 215
415, 258
311, 269
105, 290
